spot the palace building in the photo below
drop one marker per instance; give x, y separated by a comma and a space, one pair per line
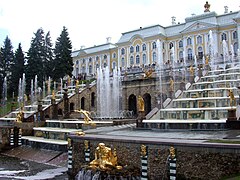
155, 44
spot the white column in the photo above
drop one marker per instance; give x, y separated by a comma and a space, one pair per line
206, 50
100, 60
238, 34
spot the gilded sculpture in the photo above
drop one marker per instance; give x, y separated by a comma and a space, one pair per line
143, 150
191, 69
148, 73
141, 107
207, 7
53, 95
86, 144
232, 98
87, 118
20, 115
172, 153
105, 159
171, 84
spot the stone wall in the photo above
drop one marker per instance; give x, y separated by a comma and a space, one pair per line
194, 161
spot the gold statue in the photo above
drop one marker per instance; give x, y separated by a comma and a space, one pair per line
86, 114
171, 84
143, 150
172, 152
191, 69
80, 133
86, 144
232, 98
77, 83
207, 60
20, 115
148, 73
69, 142
140, 104
53, 95
104, 158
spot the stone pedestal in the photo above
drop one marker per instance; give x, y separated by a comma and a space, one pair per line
66, 104
232, 115
40, 114
232, 122
140, 118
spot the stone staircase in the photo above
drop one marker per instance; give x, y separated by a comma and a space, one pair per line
205, 105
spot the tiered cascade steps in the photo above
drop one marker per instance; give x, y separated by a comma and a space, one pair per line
204, 105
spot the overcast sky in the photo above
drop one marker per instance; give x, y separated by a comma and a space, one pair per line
89, 22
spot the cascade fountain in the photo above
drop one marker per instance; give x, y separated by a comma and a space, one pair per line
225, 53
49, 86
36, 88
109, 92
211, 49
44, 89
32, 93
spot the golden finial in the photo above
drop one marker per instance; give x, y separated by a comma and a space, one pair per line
143, 150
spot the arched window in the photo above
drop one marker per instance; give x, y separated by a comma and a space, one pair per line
114, 65
137, 48
154, 45
189, 41
199, 39
131, 49
90, 69
180, 44
224, 36
97, 66
77, 62
123, 62
154, 55
189, 54
83, 61
97, 58
90, 60
144, 59
131, 60
114, 55
144, 47
200, 52
122, 51
137, 59
83, 69
163, 45
105, 65
235, 36
105, 56
170, 45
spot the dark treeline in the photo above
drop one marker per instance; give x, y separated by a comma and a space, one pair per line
42, 59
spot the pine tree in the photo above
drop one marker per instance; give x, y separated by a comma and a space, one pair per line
18, 69
63, 63
35, 59
7, 61
48, 61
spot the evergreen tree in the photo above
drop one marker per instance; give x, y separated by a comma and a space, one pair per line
7, 61
48, 61
18, 69
1, 72
63, 63
35, 59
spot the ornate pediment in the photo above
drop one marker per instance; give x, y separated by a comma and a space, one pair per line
196, 26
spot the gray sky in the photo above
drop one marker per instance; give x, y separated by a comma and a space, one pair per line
89, 22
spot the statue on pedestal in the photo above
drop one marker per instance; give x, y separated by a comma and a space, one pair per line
232, 98
141, 107
207, 7
105, 159
20, 115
